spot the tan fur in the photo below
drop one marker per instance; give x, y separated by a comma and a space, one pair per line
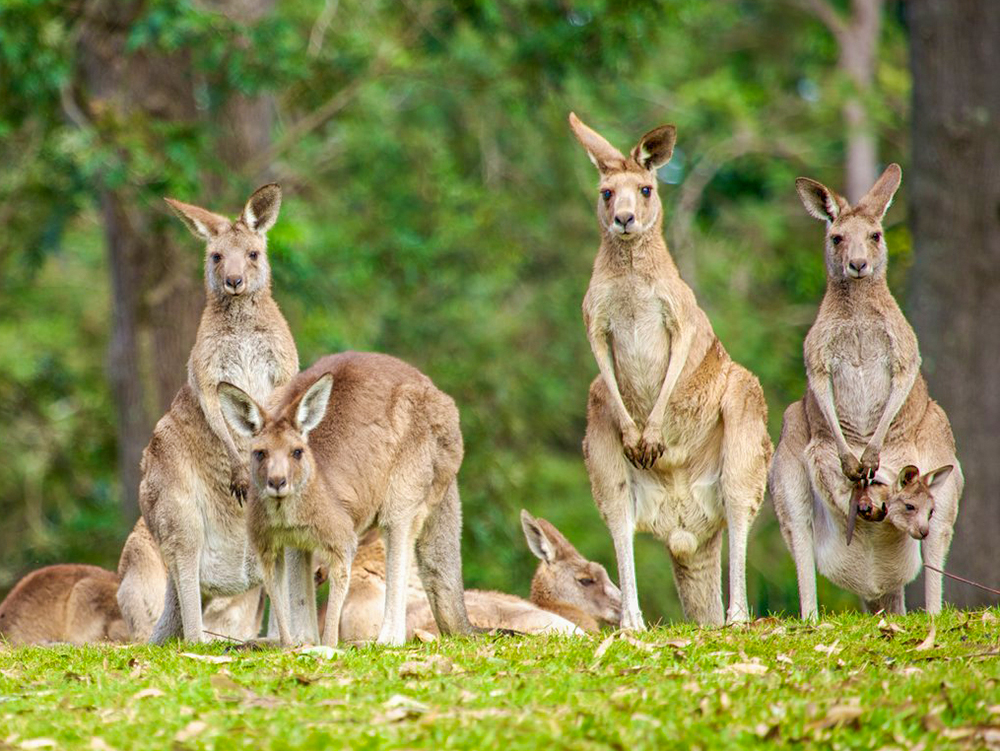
385, 453
676, 438
865, 397
194, 472
143, 588
66, 603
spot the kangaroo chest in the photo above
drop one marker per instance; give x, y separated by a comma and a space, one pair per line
229, 565
249, 359
860, 364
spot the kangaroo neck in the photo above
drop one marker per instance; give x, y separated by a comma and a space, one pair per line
858, 294
646, 252
236, 308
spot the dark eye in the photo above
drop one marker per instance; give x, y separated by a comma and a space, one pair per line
910, 507
260, 455
297, 453
876, 236
253, 255
646, 191
837, 239
216, 257
586, 581
606, 194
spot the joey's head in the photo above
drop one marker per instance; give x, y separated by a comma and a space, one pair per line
855, 242
282, 462
566, 576
235, 251
909, 501
628, 205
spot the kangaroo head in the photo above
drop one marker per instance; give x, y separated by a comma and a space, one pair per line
909, 501
627, 204
281, 461
235, 252
566, 576
855, 243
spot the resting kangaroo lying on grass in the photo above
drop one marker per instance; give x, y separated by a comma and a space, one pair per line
865, 396
568, 592
385, 453
676, 439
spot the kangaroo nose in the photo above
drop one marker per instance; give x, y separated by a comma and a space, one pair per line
858, 265
234, 282
276, 482
624, 219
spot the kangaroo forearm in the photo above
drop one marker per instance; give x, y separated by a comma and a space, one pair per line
898, 394
823, 391
602, 353
212, 409
678, 358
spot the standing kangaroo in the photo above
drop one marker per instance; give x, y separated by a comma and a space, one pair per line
385, 453
866, 405
194, 472
676, 440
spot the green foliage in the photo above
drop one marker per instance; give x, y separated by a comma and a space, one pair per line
853, 682
442, 212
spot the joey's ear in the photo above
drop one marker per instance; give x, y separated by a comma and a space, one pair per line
312, 405
240, 410
907, 475
938, 476
604, 156
878, 200
538, 541
202, 222
819, 200
656, 147
261, 211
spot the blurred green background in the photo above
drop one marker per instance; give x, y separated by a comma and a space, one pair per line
436, 208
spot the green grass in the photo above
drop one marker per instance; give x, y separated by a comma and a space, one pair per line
853, 681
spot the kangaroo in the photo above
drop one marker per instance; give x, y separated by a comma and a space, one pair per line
676, 441
569, 594
865, 396
143, 588
194, 472
386, 453
69, 603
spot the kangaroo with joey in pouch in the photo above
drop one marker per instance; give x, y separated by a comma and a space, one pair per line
355, 441
866, 418
676, 440
194, 471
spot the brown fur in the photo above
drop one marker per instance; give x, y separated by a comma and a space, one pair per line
676, 438
385, 453
70, 603
195, 472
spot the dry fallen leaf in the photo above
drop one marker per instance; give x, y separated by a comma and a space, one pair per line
38, 743
782, 657
147, 693
437, 665
98, 744
838, 714
189, 731
638, 644
830, 650
676, 643
927, 643
399, 707
215, 659
425, 636
746, 668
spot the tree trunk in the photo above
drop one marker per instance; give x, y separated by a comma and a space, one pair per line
858, 58
955, 283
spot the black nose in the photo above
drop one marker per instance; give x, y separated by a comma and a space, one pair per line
858, 265
624, 219
234, 282
276, 483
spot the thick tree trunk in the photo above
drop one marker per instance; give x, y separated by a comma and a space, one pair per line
954, 299
858, 48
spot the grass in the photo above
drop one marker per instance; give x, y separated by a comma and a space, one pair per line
853, 681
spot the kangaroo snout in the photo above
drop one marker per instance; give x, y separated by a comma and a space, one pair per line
277, 486
234, 284
624, 219
858, 268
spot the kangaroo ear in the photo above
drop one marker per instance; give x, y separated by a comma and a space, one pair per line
907, 475
312, 405
202, 222
819, 200
604, 156
656, 147
938, 476
261, 211
538, 541
878, 200
240, 410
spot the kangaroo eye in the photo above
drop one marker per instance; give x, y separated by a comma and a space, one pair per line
837, 239
216, 257
260, 455
646, 191
253, 255
297, 453
910, 507
606, 194
876, 236
586, 581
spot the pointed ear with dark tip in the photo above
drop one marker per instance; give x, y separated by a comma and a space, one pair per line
312, 406
907, 475
242, 413
938, 476
656, 147
538, 541
878, 200
819, 200
202, 222
604, 156
261, 211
